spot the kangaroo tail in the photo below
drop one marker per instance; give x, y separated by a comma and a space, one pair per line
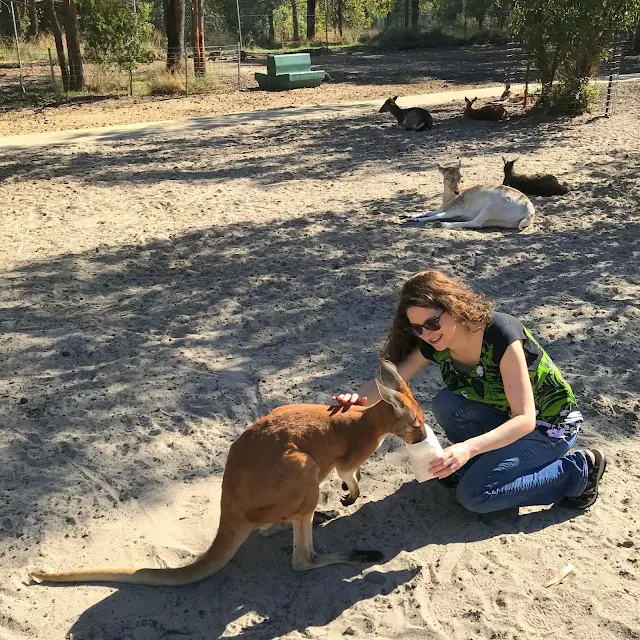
222, 549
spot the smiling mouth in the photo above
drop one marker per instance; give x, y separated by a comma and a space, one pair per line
433, 341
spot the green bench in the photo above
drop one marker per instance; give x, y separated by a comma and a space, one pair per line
289, 71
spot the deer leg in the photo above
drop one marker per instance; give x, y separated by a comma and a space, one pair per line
305, 558
434, 216
350, 478
482, 219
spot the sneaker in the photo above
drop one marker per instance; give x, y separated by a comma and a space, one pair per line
594, 474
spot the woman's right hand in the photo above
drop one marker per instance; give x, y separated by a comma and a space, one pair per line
347, 399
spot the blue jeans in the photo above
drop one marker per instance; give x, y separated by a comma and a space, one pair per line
534, 470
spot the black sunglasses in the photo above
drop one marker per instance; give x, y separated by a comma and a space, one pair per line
431, 324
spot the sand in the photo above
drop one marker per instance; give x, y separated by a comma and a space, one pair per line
160, 294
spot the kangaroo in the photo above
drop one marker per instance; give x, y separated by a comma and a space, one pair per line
479, 207
537, 185
415, 118
488, 112
273, 474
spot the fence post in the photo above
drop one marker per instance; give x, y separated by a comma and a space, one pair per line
53, 73
526, 85
130, 82
239, 59
15, 33
239, 23
186, 74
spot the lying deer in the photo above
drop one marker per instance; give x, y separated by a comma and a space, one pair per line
488, 112
479, 207
541, 184
273, 474
415, 118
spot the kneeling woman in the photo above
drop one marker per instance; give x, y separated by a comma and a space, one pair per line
511, 416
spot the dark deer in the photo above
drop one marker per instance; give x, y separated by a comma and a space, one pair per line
537, 185
414, 118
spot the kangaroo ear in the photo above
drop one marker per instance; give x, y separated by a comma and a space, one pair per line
389, 375
474, 100
394, 98
459, 163
504, 160
441, 169
515, 160
391, 397
466, 99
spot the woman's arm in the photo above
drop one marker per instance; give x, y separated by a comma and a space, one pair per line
517, 386
368, 394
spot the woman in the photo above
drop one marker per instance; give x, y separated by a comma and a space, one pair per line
509, 413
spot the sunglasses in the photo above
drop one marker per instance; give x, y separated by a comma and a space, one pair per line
431, 324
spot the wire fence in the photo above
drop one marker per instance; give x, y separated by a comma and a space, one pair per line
237, 36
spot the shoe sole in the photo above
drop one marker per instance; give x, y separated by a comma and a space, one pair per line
601, 464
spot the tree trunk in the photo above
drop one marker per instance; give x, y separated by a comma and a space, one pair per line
197, 29
33, 20
415, 14
480, 17
52, 18
272, 27
340, 16
70, 22
174, 27
406, 14
294, 19
311, 19
636, 38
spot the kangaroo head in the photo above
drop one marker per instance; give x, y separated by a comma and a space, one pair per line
388, 104
408, 423
452, 178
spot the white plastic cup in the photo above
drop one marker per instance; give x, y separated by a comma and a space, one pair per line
422, 453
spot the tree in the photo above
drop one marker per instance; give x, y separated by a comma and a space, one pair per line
69, 17
113, 33
294, 20
174, 27
415, 14
197, 29
573, 38
50, 11
311, 19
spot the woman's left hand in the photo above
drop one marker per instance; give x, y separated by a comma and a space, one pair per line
452, 459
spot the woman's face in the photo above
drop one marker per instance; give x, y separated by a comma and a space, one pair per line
439, 339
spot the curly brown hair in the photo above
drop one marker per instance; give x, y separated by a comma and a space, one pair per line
436, 290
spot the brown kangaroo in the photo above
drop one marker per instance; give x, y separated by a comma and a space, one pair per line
488, 112
273, 474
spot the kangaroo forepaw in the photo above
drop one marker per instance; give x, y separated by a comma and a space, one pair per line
358, 555
345, 486
347, 500
320, 517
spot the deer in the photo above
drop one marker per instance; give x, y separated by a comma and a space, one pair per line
414, 118
272, 477
488, 112
478, 207
541, 184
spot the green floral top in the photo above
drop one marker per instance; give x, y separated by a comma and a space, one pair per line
556, 410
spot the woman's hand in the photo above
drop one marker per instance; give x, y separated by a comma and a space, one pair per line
452, 459
347, 399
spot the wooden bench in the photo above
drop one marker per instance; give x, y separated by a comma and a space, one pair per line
289, 71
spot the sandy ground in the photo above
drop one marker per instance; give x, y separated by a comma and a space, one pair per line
159, 295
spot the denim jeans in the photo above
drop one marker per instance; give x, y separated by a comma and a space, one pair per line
534, 470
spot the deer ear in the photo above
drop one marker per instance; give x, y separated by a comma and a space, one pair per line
394, 98
504, 160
